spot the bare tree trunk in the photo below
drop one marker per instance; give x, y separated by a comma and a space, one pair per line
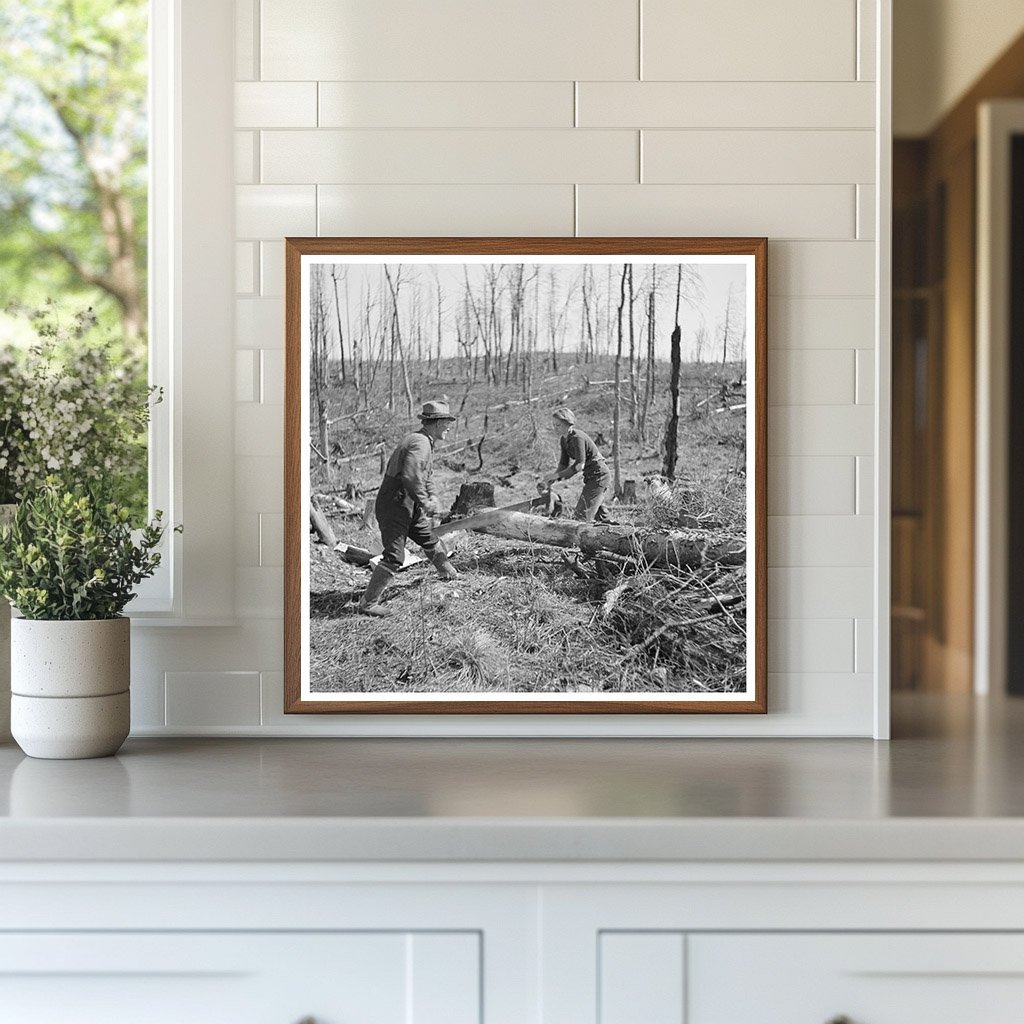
649, 369
397, 339
617, 475
672, 431
337, 316
633, 403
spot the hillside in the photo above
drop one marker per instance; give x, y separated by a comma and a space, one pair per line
533, 618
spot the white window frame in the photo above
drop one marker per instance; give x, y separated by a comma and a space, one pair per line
191, 277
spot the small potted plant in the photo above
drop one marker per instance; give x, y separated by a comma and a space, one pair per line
73, 404
69, 563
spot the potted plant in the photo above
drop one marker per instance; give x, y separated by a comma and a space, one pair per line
69, 563
73, 405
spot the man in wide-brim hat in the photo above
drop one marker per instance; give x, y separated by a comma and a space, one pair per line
405, 505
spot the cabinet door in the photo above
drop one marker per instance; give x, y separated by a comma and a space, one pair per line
241, 978
862, 978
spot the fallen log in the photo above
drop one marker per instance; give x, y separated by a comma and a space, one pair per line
677, 549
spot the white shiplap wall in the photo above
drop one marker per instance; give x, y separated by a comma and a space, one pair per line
633, 117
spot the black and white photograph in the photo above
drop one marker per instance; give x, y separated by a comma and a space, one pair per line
525, 480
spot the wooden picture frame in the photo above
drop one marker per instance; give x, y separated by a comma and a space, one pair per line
529, 627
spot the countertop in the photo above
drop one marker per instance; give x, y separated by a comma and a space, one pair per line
948, 787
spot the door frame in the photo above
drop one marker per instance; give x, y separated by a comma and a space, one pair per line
998, 122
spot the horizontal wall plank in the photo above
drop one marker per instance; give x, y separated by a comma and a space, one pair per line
726, 105
811, 645
247, 539
270, 211
820, 540
838, 704
799, 704
449, 157
867, 25
821, 430
259, 429
828, 592
271, 376
865, 485
259, 484
808, 267
866, 212
775, 211
447, 105
246, 49
247, 375
245, 268
271, 539
865, 376
275, 104
813, 486
245, 158
271, 269
735, 40
758, 157
811, 377
447, 210
259, 323
864, 656
810, 323
204, 699
260, 592
448, 40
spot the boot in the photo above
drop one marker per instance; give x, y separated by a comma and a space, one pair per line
369, 602
444, 568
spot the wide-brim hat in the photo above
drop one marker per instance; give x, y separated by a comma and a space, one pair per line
565, 415
436, 411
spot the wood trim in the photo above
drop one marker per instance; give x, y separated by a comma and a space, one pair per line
296, 248
959, 128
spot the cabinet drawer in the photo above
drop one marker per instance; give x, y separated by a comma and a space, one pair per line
242, 978
866, 978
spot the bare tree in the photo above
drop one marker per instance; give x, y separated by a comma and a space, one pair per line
701, 340
318, 361
633, 361
396, 334
672, 430
730, 327
617, 481
650, 368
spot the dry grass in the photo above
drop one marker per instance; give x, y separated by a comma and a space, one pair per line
518, 619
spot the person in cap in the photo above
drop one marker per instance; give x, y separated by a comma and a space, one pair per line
579, 454
405, 505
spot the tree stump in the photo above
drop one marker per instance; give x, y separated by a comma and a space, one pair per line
629, 492
472, 498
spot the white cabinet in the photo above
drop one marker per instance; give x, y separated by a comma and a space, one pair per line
511, 943
866, 978
241, 978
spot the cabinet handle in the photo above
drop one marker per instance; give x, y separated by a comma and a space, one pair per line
841, 1019
306, 1020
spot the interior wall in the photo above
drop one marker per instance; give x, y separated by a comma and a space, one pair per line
941, 47
604, 117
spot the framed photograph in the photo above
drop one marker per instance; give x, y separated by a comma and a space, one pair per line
525, 475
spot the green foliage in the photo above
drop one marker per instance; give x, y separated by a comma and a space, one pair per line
73, 155
71, 554
76, 408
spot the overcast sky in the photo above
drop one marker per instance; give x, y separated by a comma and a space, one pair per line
555, 292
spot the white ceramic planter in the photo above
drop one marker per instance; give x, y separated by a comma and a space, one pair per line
69, 683
67, 727
6, 515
